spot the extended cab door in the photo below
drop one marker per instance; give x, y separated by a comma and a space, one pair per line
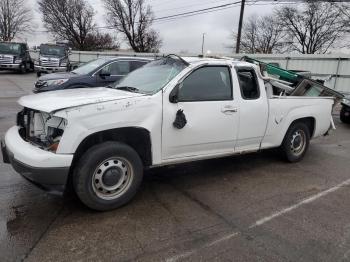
206, 100
253, 110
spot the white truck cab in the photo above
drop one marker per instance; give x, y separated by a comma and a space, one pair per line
171, 110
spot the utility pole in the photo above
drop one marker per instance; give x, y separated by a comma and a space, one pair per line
203, 44
238, 42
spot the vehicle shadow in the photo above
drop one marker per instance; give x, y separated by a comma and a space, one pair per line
189, 174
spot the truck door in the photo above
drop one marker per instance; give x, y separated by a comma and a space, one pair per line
253, 110
206, 100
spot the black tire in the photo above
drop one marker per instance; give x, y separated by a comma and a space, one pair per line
95, 194
23, 68
38, 74
343, 117
293, 151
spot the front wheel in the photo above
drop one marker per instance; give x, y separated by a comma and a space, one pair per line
296, 142
108, 176
23, 68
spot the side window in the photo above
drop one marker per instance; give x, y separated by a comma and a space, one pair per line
209, 83
136, 64
118, 68
248, 84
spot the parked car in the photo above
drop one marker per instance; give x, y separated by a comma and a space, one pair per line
15, 56
345, 110
97, 73
53, 58
172, 110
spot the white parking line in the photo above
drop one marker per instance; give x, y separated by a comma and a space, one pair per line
301, 203
189, 253
262, 221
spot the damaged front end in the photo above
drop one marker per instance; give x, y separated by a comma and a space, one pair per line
41, 129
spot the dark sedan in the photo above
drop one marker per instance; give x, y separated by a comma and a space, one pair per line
99, 72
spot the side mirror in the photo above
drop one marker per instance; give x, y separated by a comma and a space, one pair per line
174, 94
104, 73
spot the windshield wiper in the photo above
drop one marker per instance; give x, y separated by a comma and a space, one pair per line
128, 88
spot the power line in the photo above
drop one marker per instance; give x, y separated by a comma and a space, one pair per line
177, 16
216, 8
185, 16
191, 5
196, 11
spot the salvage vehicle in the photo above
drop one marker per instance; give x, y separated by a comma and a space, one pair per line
15, 56
170, 111
345, 110
53, 58
97, 73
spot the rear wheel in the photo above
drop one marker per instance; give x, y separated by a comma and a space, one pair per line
296, 142
108, 176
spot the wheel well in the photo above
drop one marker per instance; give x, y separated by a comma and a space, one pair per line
310, 123
137, 138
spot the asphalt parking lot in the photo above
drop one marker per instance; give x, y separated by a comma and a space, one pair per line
245, 208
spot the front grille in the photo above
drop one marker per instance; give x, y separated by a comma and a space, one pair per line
6, 59
50, 63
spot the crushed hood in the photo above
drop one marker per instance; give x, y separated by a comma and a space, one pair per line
57, 100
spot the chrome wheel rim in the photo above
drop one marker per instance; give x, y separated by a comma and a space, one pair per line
112, 178
298, 142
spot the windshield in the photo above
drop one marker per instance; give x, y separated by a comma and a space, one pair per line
151, 77
89, 67
9, 48
53, 50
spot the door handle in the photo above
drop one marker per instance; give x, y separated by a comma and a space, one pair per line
229, 109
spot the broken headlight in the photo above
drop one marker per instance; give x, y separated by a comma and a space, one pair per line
41, 129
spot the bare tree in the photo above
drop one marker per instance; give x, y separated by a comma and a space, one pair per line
70, 20
262, 35
344, 9
15, 18
133, 18
315, 28
99, 41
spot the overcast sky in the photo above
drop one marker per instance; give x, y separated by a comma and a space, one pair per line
183, 34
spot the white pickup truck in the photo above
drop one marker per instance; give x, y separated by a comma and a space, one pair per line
172, 110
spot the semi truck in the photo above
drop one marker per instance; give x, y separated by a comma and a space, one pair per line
15, 56
53, 58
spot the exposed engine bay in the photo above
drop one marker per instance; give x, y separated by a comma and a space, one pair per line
40, 128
